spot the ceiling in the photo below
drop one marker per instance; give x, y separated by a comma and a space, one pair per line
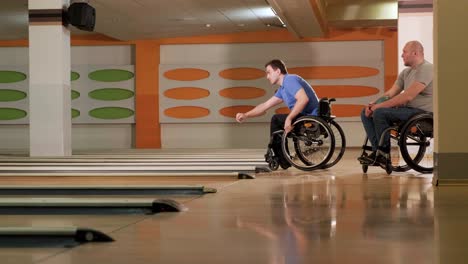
152, 19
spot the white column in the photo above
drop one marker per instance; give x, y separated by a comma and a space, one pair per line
49, 79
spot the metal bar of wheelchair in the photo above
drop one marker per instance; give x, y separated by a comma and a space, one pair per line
381, 140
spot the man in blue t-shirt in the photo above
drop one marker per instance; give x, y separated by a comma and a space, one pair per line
297, 94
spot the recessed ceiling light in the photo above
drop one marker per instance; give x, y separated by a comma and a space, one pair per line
207, 25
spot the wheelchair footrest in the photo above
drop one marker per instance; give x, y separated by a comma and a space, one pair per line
368, 148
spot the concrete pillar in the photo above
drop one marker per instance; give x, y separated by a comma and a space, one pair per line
49, 79
451, 93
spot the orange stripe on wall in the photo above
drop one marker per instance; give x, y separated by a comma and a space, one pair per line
344, 91
14, 43
282, 35
76, 40
97, 40
347, 110
148, 129
391, 60
333, 72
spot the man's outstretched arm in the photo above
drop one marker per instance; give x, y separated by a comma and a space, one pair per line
259, 109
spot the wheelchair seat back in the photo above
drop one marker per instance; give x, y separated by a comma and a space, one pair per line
324, 108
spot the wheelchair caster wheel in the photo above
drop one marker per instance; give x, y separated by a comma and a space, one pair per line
273, 164
388, 168
364, 168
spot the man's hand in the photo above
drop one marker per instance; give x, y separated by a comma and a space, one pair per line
369, 110
240, 117
287, 125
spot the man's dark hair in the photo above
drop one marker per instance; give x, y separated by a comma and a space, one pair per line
277, 64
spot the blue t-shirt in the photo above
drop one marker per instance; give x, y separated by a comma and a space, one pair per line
291, 85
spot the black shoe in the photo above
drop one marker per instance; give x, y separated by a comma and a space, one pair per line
368, 160
382, 160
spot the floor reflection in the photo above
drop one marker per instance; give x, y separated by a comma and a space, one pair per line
398, 212
326, 216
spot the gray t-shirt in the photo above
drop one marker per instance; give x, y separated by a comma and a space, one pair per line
423, 74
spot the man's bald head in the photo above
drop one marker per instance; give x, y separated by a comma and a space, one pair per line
415, 46
413, 53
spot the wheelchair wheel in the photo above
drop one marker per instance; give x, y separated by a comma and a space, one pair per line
273, 164
416, 143
310, 144
388, 168
365, 168
340, 144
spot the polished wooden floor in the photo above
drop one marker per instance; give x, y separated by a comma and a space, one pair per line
339, 215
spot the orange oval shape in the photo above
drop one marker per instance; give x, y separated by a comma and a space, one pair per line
186, 112
186, 93
344, 91
347, 110
242, 73
282, 110
231, 111
333, 72
186, 74
242, 92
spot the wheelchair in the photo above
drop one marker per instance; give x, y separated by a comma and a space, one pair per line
411, 146
315, 142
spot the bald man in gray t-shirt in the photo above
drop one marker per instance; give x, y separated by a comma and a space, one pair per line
410, 95
422, 73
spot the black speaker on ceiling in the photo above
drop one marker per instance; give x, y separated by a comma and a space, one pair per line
82, 16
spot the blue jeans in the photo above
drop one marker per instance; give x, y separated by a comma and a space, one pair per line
382, 119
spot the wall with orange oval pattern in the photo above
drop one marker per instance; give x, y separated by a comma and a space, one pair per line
344, 91
351, 72
333, 72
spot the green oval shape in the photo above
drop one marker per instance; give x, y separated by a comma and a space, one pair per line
111, 94
111, 75
12, 76
75, 94
111, 112
75, 113
11, 113
8, 95
74, 76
